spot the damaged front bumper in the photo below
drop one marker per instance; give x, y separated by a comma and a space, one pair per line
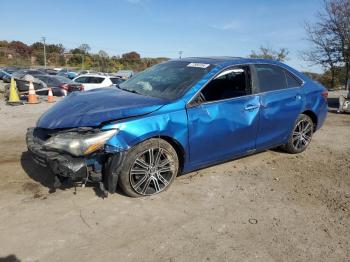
61, 164
97, 167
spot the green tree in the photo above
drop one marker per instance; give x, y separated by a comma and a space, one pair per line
269, 53
131, 56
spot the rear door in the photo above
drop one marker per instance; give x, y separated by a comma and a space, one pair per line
281, 102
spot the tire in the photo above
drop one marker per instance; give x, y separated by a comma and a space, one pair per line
301, 135
144, 175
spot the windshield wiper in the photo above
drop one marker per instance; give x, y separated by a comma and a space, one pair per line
127, 90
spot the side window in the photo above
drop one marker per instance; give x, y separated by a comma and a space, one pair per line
291, 80
234, 82
270, 78
95, 80
81, 79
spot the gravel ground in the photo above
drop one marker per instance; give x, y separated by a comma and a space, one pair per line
270, 206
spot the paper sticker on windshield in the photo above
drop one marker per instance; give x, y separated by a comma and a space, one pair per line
199, 65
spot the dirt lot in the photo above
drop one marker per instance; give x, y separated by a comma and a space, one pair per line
267, 207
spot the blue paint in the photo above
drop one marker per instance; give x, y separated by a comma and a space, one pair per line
94, 107
206, 133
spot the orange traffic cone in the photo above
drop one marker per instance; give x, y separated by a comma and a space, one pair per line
50, 98
32, 98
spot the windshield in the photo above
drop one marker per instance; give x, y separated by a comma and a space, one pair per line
169, 80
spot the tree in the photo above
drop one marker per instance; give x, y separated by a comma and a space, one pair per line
330, 38
57, 49
269, 53
103, 60
131, 56
20, 48
85, 48
103, 54
324, 50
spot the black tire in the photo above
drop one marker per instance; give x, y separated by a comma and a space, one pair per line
157, 179
301, 135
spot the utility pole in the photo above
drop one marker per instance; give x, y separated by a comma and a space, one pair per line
180, 54
44, 39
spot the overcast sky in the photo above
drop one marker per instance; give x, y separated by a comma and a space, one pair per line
163, 27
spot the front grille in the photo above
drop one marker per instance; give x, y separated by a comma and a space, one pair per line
39, 160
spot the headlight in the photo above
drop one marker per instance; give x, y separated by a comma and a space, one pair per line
79, 144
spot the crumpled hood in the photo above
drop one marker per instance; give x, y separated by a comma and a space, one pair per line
93, 107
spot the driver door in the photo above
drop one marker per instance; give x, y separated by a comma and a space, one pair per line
223, 118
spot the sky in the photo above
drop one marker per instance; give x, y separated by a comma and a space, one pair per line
157, 28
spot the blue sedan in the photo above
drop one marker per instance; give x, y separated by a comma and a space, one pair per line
176, 117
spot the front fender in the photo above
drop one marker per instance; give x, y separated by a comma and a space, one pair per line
132, 131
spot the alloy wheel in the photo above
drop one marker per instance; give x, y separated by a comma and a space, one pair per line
302, 134
152, 171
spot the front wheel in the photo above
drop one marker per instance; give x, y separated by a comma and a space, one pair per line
149, 168
301, 135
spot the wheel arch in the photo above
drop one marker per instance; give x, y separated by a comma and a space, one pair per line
180, 150
313, 117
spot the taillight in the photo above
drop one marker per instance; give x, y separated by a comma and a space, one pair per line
325, 94
81, 88
64, 86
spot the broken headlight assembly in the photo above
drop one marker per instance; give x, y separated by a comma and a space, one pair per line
79, 144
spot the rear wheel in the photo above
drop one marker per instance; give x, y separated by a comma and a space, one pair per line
149, 168
301, 135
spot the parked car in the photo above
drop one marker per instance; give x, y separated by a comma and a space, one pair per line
6, 73
117, 81
60, 85
176, 117
84, 72
23, 85
92, 81
67, 73
49, 71
33, 72
5, 76
125, 74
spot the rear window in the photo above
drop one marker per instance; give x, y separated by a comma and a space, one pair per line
89, 80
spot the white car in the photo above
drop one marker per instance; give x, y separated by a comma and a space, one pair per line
92, 81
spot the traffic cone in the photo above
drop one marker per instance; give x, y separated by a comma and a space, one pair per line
14, 97
32, 98
50, 98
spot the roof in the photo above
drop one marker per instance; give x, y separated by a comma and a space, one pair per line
226, 60
96, 75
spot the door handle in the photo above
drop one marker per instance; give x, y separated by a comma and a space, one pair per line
251, 107
297, 97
